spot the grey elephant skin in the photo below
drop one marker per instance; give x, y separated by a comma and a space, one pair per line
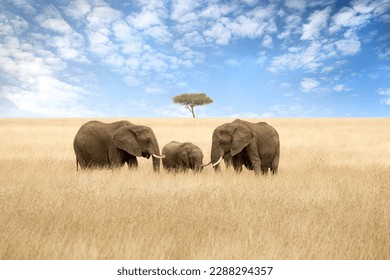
111, 145
254, 145
182, 156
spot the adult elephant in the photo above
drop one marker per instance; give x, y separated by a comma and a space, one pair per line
254, 145
111, 145
182, 156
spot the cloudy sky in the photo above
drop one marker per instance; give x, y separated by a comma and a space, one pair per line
254, 58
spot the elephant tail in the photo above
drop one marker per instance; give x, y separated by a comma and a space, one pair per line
80, 160
275, 161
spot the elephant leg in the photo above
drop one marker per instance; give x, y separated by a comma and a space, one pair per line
228, 160
264, 169
247, 163
217, 168
237, 163
116, 157
254, 158
275, 164
132, 162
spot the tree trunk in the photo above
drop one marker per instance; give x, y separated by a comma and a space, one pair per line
191, 109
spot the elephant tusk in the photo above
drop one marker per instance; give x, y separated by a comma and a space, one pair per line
219, 160
157, 156
204, 165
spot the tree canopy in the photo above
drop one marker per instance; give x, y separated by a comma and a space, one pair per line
190, 100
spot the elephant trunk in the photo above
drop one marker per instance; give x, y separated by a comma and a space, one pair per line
156, 164
198, 166
156, 156
216, 155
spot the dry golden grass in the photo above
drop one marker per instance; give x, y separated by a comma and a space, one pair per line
330, 199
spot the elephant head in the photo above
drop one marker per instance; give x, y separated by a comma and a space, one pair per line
138, 140
232, 138
191, 156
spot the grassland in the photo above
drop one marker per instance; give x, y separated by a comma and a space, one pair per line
330, 200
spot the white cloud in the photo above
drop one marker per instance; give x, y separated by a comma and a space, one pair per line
31, 77
232, 62
100, 43
188, 47
309, 59
236, 24
183, 11
309, 84
78, 9
317, 21
194, 39
69, 47
376, 7
250, 2
350, 45
102, 16
145, 20
159, 33
384, 52
261, 58
340, 88
347, 17
244, 26
216, 11
68, 43
359, 14
38, 90
315, 55
150, 21
219, 33
151, 62
385, 92
296, 4
12, 25
48, 96
120, 42
25, 5
292, 26
267, 41
51, 19
130, 42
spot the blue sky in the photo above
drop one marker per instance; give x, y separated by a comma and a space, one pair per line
290, 58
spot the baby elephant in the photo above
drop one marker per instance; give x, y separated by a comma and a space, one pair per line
182, 156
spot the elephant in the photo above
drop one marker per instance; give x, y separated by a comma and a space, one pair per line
254, 145
111, 145
182, 156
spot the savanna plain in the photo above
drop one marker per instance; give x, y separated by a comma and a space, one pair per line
330, 199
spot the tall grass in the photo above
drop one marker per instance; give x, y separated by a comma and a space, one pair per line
330, 199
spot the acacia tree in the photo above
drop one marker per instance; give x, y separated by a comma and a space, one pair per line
190, 100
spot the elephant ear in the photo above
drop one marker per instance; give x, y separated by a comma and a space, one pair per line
242, 137
183, 155
125, 139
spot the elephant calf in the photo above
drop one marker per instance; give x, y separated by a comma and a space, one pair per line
182, 156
